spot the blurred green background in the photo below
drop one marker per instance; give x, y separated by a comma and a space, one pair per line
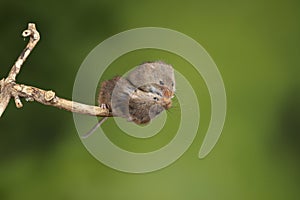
256, 46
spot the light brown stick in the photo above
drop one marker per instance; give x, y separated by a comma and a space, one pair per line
50, 99
9, 88
33, 40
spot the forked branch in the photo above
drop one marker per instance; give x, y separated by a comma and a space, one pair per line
9, 88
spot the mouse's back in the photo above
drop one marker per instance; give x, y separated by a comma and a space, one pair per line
153, 72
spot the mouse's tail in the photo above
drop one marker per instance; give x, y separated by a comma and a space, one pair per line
88, 134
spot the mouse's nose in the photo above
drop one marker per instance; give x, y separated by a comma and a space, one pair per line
167, 103
168, 93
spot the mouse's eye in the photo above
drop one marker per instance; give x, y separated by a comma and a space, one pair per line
155, 98
161, 82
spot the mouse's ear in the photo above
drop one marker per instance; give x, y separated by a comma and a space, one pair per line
153, 72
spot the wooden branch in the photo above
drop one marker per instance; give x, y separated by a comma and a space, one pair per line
4, 95
33, 40
9, 88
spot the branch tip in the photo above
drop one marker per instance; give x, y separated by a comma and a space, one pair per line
18, 102
31, 31
26, 33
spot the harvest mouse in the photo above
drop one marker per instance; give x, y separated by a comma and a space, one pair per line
143, 94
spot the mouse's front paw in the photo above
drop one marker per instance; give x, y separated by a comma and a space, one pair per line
104, 109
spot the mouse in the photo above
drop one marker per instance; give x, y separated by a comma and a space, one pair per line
139, 97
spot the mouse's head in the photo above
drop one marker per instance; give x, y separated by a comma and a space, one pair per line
144, 93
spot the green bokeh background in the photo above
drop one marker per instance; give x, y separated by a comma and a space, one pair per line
256, 48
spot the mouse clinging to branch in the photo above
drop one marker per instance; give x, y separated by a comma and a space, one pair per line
140, 96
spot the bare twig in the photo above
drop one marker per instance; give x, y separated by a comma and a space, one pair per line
9, 88
33, 40
50, 99
4, 96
